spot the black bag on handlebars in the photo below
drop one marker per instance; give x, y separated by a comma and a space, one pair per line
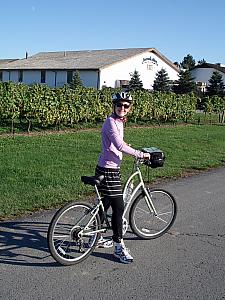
157, 157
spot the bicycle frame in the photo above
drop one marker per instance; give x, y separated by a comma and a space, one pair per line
140, 186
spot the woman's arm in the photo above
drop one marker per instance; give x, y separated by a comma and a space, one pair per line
117, 140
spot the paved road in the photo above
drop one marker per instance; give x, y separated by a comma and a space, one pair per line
187, 263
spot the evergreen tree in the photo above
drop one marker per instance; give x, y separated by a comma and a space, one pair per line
188, 62
185, 83
76, 81
161, 82
216, 85
176, 63
135, 82
201, 61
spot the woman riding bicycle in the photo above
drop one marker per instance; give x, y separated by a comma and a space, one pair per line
108, 165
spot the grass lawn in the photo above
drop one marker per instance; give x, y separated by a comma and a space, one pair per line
43, 171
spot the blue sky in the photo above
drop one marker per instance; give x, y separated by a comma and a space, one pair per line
174, 27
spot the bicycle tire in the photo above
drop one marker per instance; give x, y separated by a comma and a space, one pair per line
144, 223
65, 243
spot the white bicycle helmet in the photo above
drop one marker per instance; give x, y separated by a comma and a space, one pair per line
123, 96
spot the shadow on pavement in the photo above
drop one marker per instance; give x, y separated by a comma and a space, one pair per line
24, 243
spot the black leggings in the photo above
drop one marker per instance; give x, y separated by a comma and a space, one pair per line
111, 191
117, 212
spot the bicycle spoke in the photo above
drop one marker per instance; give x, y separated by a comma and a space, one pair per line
161, 219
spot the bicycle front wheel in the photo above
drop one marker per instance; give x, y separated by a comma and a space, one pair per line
149, 225
70, 240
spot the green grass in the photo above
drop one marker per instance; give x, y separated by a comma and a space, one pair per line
205, 118
43, 171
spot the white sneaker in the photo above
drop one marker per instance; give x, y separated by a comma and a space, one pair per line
123, 254
104, 243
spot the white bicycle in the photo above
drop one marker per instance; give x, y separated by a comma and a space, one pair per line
75, 229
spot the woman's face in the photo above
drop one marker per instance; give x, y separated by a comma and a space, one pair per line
122, 108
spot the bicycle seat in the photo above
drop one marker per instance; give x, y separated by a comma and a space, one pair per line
92, 180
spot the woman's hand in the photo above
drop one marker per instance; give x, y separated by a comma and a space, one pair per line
146, 155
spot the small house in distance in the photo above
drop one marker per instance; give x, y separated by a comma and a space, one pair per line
97, 68
203, 72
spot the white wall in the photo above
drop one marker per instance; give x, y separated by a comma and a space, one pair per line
31, 76
5, 76
10, 75
122, 70
88, 77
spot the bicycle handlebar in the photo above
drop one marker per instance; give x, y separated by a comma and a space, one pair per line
141, 161
156, 159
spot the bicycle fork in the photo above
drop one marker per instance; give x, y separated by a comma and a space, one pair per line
149, 201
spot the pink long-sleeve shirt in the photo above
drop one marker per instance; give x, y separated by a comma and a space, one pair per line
113, 144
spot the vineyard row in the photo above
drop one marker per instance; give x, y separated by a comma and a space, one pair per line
64, 106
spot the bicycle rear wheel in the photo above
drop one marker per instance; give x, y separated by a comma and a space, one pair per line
144, 222
67, 241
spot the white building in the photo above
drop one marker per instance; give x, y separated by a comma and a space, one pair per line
202, 73
97, 68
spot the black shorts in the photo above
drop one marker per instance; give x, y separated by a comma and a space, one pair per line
111, 185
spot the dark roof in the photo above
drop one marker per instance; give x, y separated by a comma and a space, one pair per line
213, 66
88, 59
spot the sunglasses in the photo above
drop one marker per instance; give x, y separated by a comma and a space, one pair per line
126, 106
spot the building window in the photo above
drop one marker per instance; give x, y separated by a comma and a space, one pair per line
1, 75
69, 76
122, 84
149, 67
43, 76
20, 76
